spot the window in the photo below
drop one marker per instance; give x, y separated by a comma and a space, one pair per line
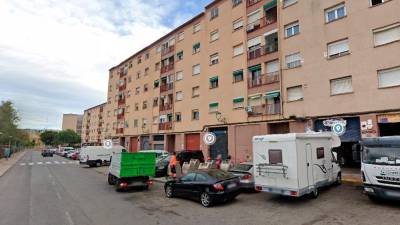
377, 2
196, 48
156, 83
238, 50
213, 82
341, 86
181, 36
145, 87
196, 69
387, 34
320, 153
238, 103
338, 48
158, 49
236, 2
129, 79
335, 13
214, 59
389, 77
136, 106
179, 96
237, 24
195, 114
147, 55
237, 76
195, 91
293, 60
137, 91
179, 75
157, 66
214, 36
287, 3
155, 121
139, 60
196, 28
292, 29
272, 67
144, 122
144, 106
129, 93
214, 13
178, 117
275, 156
179, 55
155, 102
213, 107
295, 93
135, 123
138, 75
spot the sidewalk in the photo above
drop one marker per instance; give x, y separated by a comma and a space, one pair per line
5, 165
351, 176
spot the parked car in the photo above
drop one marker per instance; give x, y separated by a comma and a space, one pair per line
75, 156
162, 166
47, 153
207, 186
70, 153
245, 172
186, 156
65, 150
98, 155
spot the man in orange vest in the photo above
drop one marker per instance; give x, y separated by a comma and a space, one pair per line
172, 164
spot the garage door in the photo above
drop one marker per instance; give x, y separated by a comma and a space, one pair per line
133, 144
192, 142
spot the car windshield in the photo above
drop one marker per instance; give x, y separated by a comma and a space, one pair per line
382, 155
242, 167
219, 174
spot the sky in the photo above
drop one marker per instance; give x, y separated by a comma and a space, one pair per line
55, 55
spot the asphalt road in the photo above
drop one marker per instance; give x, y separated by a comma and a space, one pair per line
38, 191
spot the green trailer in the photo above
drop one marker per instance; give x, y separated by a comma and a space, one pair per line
131, 170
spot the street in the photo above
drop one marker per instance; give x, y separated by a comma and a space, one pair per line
57, 191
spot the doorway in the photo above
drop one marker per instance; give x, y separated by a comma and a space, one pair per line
221, 145
389, 129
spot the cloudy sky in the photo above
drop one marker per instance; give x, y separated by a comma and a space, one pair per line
55, 55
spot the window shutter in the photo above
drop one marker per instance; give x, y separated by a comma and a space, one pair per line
273, 66
387, 36
254, 42
295, 93
293, 58
343, 85
253, 17
338, 47
389, 78
237, 50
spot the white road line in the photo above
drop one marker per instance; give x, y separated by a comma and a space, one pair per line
69, 218
63, 162
31, 164
48, 162
58, 195
39, 163
56, 162
22, 164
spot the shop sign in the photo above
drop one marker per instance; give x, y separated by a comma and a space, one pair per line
389, 118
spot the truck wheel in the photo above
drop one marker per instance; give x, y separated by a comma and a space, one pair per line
315, 193
98, 163
111, 180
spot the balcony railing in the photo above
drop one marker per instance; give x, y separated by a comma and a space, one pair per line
121, 116
263, 79
165, 126
165, 107
262, 50
265, 109
252, 2
120, 130
166, 87
265, 21
122, 87
121, 101
123, 72
168, 50
167, 68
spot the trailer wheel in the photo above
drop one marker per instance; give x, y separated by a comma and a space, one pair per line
315, 193
98, 163
111, 179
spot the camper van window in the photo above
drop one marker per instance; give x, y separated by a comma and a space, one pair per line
275, 156
320, 153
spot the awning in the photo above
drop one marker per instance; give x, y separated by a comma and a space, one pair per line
213, 104
270, 5
238, 73
256, 67
238, 100
272, 94
213, 78
197, 45
255, 96
179, 53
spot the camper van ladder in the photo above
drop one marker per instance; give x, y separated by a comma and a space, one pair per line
267, 169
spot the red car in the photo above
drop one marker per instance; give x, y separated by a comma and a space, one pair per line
75, 156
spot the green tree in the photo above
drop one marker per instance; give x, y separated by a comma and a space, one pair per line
68, 137
49, 137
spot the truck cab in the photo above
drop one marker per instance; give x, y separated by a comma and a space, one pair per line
380, 167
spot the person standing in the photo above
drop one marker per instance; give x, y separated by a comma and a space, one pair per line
172, 164
218, 161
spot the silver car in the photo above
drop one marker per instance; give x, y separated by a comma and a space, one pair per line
245, 172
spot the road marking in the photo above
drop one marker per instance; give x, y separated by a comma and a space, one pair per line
39, 163
22, 164
69, 218
58, 195
63, 162
31, 164
56, 162
48, 162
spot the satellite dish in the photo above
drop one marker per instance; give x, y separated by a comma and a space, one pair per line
336, 141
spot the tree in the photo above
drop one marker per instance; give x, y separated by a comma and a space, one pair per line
48, 137
68, 137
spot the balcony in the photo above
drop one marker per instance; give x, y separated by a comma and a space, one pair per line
252, 2
265, 109
263, 79
121, 116
166, 87
165, 107
121, 101
120, 130
167, 51
123, 72
165, 126
122, 87
262, 50
265, 21
167, 68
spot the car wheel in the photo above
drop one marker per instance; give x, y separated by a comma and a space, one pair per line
339, 179
315, 193
205, 199
169, 192
98, 163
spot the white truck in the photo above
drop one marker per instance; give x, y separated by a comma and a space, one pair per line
295, 164
380, 167
98, 155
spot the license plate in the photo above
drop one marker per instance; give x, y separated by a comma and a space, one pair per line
232, 185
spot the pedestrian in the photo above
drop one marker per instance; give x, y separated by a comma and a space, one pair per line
172, 164
218, 161
229, 159
7, 153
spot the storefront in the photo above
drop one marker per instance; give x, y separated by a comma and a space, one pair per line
221, 145
389, 124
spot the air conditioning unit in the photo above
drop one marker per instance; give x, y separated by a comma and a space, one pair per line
249, 109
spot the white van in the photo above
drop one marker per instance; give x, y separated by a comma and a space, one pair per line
295, 164
98, 155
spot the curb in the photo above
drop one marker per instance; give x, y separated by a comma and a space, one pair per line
11, 165
352, 181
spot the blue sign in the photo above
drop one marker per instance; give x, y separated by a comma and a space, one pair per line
339, 129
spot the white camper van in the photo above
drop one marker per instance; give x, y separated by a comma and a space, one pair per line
98, 155
295, 164
380, 167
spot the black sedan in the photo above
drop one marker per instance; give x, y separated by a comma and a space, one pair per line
207, 186
47, 153
162, 166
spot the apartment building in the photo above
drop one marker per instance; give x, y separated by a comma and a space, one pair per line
72, 122
244, 68
93, 130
